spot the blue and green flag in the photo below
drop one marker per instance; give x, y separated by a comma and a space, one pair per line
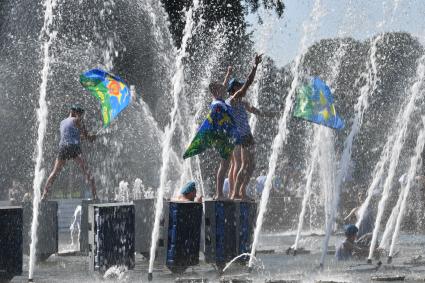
112, 92
315, 103
217, 131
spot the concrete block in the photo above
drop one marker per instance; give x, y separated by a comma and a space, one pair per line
144, 220
229, 226
184, 235
84, 226
47, 232
11, 242
111, 237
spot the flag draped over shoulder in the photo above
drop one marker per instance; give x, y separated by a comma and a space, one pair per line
217, 131
315, 103
112, 92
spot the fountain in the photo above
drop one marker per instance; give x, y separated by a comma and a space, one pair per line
178, 84
283, 130
137, 161
400, 135
42, 113
411, 176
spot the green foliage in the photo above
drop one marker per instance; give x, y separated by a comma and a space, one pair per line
230, 13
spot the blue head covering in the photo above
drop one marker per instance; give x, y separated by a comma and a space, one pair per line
233, 83
188, 188
350, 230
77, 108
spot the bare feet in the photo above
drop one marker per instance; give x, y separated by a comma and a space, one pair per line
246, 198
235, 196
218, 197
44, 196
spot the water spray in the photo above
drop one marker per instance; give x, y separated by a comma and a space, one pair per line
42, 113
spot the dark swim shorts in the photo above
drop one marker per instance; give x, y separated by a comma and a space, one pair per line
247, 141
69, 151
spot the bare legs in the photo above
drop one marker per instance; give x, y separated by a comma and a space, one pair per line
245, 172
89, 178
57, 169
234, 169
221, 173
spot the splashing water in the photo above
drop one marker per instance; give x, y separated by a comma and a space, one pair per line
123, 194
138, 189
410, 179
235, 259
335, 69
328, 184
389, 227
380, 166
75, 225
283, 128
178, 81
215, 54
42, 113
307, 190
400, 135
116, 272
265, 32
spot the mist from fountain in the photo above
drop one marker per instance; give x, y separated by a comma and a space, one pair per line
317, 134
123, 193
178, 85
280, 138
327, 171
414, 164
370, 86
75, 227
265, 32
212, 63
400, 133
307, 190
47, 36
391, 223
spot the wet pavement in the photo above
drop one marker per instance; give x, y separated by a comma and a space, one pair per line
272, 265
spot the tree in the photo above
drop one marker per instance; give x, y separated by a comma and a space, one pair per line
231, 13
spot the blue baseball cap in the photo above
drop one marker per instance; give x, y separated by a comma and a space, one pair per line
188, 188
233, 83
350, 230
77, 108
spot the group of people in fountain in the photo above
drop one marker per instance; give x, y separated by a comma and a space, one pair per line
239, 167
230, 94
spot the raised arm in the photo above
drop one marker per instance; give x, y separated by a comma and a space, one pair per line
228, 74
242, 92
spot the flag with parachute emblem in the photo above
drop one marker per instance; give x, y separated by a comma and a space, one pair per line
315, 103
217, 131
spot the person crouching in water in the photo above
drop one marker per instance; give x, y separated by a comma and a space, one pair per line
354, 246
345, 249
72, 130
188, 193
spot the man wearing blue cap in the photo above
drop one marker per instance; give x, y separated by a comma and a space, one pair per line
345, 249
72, 130
188, 193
